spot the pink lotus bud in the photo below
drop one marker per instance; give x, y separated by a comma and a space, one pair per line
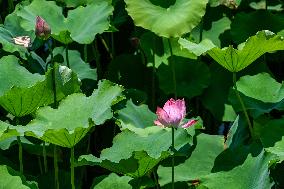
172, 114
42, 29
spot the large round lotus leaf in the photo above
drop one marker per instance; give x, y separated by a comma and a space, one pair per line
81, 68
76, 114
260, 94
138, 157
48, 10
244, 25
10, 179
191, 77
198, 164
21, 92
85, 22
261, 87
173, 21
253, 172
111, 181
237, 59
135, 118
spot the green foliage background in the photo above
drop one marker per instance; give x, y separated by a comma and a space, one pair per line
91, 90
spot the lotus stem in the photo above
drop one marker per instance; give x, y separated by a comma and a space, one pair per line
67, 56
20, 149
155, 178
20, 155
85, 53
44, 157
40, 165
10, 6
97, 58
55, 164
242, 104
153, 78
173, 69
173, 158
112, 44
106, 46
72, 168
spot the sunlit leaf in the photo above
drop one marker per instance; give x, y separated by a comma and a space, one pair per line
198, 164
139, 156
82, 112
173, 21
10, 179
48, 10
85, 22
111, 181
135, 118
25, 92
253, 171
237, 59
81, 68
260, 94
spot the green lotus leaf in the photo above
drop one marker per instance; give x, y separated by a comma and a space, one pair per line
261, 87
191, 77
10, 179
173, 21
51, 13
215, 96
244, 25
6, 132
198, 164
85, 22
218, 27
135, 118
138, 157
63, 37
253, 171
76, 63
260, 94
157, 49
271, 136
81, 112
48, 10
23, 93
6, 39
235, 60
11, 29
112, 180
76, 3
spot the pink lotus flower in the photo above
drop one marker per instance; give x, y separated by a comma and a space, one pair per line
172, 114
42, 29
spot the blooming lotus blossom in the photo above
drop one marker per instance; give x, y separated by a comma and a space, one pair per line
42, 29
172, 114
